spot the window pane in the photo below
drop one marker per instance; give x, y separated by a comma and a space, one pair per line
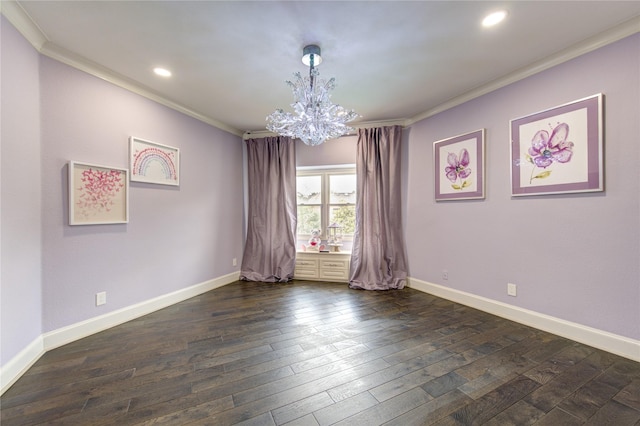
309, 189
344, 216
343, 189
308, 219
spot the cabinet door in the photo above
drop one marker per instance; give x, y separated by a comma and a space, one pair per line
305, 273
306, 267
334, 274
341, 264
334, 269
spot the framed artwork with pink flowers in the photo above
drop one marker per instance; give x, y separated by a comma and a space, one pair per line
459, 167
558, 150
97, 194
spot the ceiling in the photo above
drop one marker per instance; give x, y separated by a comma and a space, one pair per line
392, 60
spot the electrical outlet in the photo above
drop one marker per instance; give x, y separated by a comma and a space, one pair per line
234, 262
101, 298
445, 274
512, 290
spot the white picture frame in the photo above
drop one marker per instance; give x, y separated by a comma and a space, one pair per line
152, 162
97, 194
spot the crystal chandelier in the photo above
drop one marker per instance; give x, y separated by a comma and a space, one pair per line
316, 119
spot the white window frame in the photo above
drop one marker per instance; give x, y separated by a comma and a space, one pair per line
325, 172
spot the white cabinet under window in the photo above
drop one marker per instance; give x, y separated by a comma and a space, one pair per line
318, 266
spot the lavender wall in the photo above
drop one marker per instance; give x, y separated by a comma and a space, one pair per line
574, 257
333, 152
20, 291
176, 237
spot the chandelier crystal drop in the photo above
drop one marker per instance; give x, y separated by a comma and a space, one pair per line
315, 118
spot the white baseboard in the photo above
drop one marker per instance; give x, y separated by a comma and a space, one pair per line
12, 370
19, 364
619, 345
73, 332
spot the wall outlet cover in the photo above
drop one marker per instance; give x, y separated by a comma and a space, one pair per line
101, 298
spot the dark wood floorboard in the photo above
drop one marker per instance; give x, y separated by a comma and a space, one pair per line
311, 353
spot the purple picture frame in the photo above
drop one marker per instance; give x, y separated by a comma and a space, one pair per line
459, 167
558, 150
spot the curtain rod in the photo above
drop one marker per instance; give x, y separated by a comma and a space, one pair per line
365, 125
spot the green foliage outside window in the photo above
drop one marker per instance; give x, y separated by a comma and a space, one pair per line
346, 217
308, 219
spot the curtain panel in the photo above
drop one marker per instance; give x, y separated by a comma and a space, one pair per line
378, 260
270, 249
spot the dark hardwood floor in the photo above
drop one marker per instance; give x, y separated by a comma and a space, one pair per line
309, 353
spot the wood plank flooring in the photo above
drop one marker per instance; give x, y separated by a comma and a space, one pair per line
309, 353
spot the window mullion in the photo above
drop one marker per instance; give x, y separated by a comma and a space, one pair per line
325, 204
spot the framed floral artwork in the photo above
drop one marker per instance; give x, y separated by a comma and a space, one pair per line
558, 150
97, 194
151, 162
459, 167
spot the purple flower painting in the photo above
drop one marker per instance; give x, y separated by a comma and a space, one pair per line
559, 150
548, 149
457, 169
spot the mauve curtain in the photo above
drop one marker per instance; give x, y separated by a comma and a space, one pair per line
378, 260
270, 249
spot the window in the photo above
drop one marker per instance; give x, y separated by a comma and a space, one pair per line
326, 196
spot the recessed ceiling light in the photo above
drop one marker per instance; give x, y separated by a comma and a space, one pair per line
494, 18
162, 72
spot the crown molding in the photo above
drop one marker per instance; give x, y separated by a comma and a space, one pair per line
612, 35
76, 61
23, 23
381, 123
30, 30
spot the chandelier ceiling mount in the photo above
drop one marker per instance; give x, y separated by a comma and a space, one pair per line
315, 118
